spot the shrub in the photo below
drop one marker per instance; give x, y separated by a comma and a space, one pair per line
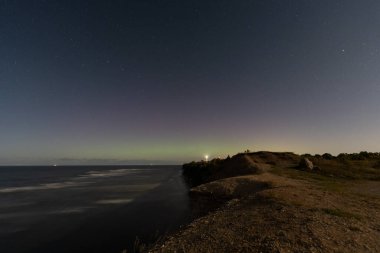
327, 156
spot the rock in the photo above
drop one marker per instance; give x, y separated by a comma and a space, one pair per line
306, 164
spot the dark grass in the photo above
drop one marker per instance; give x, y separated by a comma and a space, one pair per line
341, 213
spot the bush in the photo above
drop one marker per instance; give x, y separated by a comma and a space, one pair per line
327, 156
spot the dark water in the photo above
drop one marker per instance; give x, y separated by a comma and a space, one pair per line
87, 208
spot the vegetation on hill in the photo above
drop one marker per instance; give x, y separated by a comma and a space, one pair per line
364, 155
363, 165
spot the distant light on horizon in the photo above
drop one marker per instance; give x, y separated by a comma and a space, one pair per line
206, 158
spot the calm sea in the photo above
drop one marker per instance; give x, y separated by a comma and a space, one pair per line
89, 208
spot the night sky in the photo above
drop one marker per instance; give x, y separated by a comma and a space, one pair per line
140, 81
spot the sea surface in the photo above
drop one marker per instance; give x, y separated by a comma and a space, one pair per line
89, 208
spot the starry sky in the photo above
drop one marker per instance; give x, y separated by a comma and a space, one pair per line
166, 81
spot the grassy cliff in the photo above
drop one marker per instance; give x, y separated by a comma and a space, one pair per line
273, 205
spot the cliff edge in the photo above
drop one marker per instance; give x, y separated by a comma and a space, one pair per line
278, 207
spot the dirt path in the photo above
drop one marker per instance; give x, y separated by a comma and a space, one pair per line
260, 166
250, 160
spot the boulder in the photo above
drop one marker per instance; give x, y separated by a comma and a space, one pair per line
306, 164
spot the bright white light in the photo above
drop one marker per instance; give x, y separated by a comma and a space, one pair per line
206, 158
